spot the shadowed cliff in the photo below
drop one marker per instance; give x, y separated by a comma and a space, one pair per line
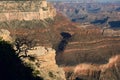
11, 67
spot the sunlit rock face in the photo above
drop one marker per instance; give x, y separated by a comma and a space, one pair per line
108, 71
44, 63
26, 10
111, 32
5, 35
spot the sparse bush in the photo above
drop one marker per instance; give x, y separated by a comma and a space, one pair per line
49, 20
51, 74
36, 72
23, 44
44, 8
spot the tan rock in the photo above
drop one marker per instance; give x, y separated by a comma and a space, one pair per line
111, 32
26, 10
5, 35
44, 63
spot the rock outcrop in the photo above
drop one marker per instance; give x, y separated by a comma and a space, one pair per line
44, 63
40, 59
110, 32
109, 71
26, 10
5, 35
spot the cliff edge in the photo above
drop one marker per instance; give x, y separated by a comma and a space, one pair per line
42, 60
26, 10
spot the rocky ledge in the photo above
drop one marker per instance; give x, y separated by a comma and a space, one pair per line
26, 10
43, 62
40, 59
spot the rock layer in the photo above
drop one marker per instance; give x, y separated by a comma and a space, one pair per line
26, 10
109, 71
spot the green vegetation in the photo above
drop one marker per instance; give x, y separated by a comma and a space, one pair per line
23, 24
35, 73
49, 21
44, 8
51, 74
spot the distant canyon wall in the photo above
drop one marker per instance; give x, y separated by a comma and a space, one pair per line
26, 10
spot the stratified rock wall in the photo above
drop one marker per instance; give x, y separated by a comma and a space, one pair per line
26, 10
109, 71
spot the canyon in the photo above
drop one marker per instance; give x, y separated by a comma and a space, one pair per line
58, 49
99, 14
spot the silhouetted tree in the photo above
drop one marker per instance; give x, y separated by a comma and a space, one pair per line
23, 44
11, 67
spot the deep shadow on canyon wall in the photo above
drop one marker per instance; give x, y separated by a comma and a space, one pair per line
65, 39
87, 48
62, 45
11, 67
